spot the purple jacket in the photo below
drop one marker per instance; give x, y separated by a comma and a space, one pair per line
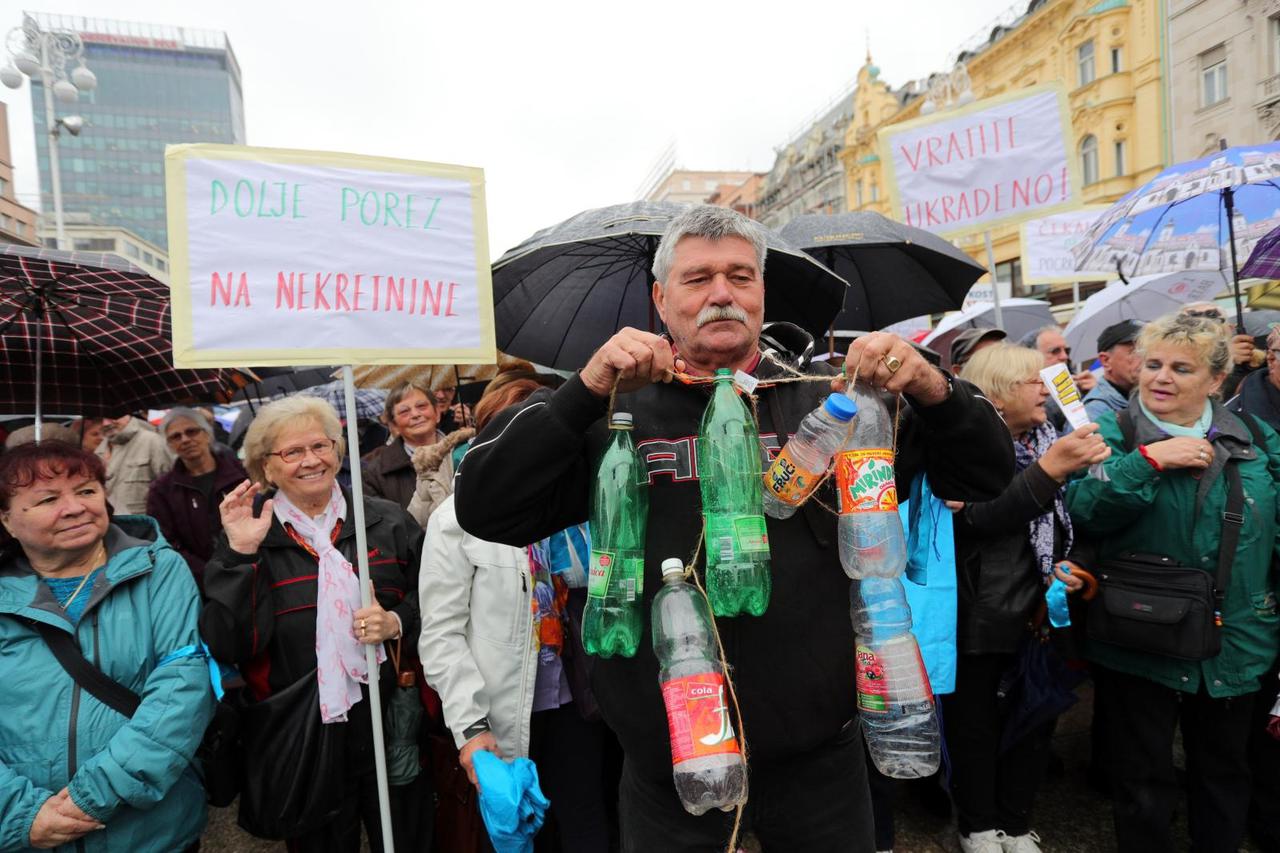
188, 523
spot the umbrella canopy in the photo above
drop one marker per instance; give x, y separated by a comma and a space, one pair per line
567, 289
1202, 215
1259, 323
1144, 298
434, 376
102, 330
895, 272
272, 383
1264, 260
369, 401
1019, 315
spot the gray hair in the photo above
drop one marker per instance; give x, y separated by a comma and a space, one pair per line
712, 223
1031, 340
192, 415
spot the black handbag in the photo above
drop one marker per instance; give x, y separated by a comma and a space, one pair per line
1149, 603
293, 775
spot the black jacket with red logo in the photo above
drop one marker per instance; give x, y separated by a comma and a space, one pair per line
530, 473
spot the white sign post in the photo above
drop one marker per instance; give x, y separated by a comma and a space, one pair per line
304, 257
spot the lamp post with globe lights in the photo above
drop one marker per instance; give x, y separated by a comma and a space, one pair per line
44, 55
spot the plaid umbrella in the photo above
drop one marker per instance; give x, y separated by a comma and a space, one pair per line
369, 401
1264, 260
87, 333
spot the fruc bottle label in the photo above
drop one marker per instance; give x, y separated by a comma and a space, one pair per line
698, 717
787, 481
599, 572
865, 481
873, 687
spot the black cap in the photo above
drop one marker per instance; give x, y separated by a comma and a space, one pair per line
1124, 332
964, 343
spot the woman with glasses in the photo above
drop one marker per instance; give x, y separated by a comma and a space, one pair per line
414, 420
1006, 553
283, 604
185, 500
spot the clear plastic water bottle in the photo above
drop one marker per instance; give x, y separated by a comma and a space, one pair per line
799, 466
872, 543
613, 621
895, 701
737, 541
706, 760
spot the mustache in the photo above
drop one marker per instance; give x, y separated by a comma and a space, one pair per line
713, 313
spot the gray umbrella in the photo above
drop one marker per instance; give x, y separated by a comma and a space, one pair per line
894, 271
563, 292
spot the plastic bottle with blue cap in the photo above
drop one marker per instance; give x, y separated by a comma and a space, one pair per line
799, 466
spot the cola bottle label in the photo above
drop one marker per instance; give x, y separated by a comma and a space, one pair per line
599, 572
787, 481
698, 716
865, 480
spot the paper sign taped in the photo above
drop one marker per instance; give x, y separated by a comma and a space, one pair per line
1063, 388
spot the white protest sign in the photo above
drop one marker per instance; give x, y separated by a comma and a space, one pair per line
1047, 241
302, 257
995, 161
1064, 391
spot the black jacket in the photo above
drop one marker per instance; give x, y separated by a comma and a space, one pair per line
188, 521
388, 473
530, 472
999, 582
260, 609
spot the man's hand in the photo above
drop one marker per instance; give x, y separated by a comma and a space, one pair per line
1085, 381
639, 358
1241, 349
60, 821
485, 741
1076, 450
461, 413
873, 355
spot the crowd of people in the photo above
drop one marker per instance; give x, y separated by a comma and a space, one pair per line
144, 565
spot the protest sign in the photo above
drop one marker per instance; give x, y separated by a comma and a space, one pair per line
993, 162
283, 257
1047, 241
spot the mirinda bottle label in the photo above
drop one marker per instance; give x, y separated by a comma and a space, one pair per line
698, 717
865, 480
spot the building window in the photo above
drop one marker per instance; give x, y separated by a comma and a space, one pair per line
857, 191
875, 190
1274, 25
1115, 60
1120, 164
1084, 64
4, 185
1213, 76
1089, 160
131, 250
1010, 273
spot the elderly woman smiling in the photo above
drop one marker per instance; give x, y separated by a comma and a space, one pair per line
283, 603
1165, 491
72, 768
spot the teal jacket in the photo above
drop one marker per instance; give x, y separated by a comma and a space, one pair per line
134, 775
1171, 513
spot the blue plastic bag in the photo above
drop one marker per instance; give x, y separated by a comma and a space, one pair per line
930, 582
511, 803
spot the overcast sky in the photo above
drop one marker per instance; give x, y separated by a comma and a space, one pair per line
566, 105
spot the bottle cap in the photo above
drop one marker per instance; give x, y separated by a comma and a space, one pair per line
723, 373
840, 407
621, 420
672, 566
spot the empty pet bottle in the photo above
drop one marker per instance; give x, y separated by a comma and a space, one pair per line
613, 622
737, 543
872, 543
707, 762
799, 466
895, 701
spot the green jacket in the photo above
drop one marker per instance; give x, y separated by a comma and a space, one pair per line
134, 775
1171, 513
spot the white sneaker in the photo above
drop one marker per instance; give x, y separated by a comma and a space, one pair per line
1029, 843
982, 842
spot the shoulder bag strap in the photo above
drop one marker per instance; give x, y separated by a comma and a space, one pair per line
1127, 428
1232, 522
101, 686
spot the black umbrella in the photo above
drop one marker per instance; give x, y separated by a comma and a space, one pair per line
894, 271
563, 292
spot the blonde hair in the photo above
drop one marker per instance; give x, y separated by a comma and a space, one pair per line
997, 370
274, 417
1208, 339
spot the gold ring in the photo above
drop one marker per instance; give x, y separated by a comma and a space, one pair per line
892, 362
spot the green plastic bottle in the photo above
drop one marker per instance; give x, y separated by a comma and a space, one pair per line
613, 623
729, 470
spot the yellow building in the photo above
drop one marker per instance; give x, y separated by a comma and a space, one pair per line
1108, 55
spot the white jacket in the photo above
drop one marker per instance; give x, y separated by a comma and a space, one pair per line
476, 644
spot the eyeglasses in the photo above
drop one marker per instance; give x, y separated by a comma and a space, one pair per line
1206, 314
319, 449
175, 437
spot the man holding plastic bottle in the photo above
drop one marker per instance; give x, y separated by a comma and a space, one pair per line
530, 472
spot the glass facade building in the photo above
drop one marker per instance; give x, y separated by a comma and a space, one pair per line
157, 86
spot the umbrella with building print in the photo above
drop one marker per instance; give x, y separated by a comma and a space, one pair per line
1202, 215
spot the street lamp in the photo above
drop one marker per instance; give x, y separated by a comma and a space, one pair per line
45, 53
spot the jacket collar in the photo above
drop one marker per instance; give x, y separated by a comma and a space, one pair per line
125, 435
